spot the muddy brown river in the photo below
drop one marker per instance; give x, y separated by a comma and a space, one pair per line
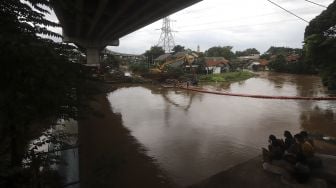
195, 135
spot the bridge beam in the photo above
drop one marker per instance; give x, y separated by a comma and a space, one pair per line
95, 24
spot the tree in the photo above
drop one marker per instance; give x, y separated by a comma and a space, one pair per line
218, 51
110, 62
37, 79
320, 45
323, 22
154, 52
247, 52
178, 48
265, 56
283, 51
278, 64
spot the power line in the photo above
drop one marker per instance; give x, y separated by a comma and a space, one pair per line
145, 32
316, 4
240, 18
288, 11
237, 26
222, 21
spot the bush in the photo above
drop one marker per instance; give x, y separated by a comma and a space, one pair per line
139, 68
299, 67
226, 77
174, 72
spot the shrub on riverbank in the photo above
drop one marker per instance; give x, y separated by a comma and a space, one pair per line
226, 77
139, 68
279, 64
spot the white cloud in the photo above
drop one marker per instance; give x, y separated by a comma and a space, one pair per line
239, 23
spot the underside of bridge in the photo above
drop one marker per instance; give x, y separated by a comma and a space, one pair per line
95, 24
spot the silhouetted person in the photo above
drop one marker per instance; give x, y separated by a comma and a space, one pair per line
304, 134
275, 149
289, 140
306, 150
305, 154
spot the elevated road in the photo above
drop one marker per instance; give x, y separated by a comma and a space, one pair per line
95, 24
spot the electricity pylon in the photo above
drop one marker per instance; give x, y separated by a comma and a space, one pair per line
166, 38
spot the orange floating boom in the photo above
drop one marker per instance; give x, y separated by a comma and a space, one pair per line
254, 96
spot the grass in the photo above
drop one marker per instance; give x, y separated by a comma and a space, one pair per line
226, 77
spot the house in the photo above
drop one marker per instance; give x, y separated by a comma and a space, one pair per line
216, 64
263, 64
259, 65
292, 58
127, 57
249, 57
254, 66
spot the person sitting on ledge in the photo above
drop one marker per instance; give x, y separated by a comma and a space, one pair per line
289, 140
304, 134
303, 157
306, 150
275, 149
291, 148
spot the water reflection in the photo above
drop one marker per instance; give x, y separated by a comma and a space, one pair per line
319, 121
194, 135
266, 83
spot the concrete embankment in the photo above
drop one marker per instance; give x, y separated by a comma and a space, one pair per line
252, 174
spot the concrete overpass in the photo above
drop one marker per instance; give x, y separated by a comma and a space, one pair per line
95, 24
124, 56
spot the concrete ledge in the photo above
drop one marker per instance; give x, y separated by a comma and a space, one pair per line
251, 174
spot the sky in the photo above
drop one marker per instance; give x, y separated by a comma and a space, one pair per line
238, 23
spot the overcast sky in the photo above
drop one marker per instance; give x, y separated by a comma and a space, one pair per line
238, 23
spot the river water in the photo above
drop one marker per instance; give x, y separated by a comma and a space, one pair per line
195, 135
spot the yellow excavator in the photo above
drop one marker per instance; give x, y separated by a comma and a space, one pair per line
186, 59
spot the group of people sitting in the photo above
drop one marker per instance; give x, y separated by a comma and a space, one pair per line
297, 151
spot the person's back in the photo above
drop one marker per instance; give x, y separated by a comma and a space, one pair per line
275, 147
307, 149
289, 140
293, 149
306, 138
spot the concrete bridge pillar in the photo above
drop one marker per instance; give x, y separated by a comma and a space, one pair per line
92, 56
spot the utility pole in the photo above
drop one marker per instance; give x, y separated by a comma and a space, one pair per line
166, 38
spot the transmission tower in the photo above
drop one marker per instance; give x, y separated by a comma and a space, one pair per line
166, 38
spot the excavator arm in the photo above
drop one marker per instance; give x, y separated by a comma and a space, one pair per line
171, 62
185, 58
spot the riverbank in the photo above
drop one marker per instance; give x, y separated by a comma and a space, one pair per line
227, 77
110, 156
240, 175
251, 174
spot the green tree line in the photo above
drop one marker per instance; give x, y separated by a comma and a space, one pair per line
320, 45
